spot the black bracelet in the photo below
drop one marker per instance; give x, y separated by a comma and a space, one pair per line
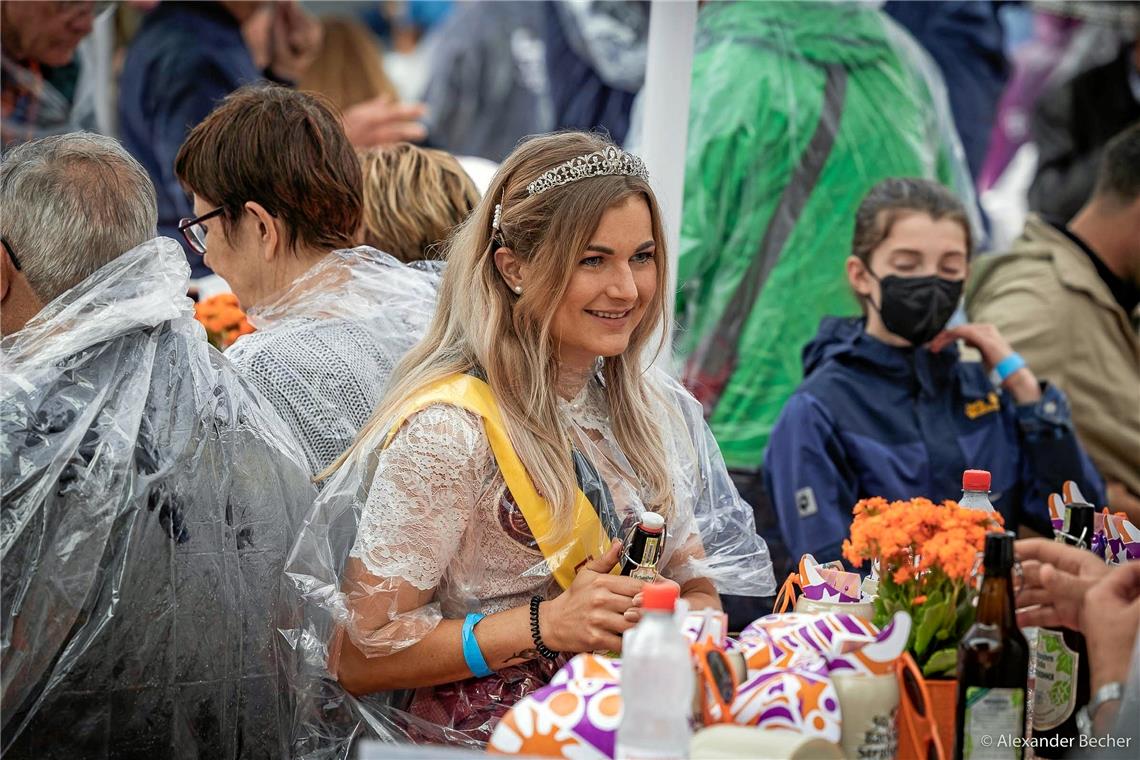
543, 650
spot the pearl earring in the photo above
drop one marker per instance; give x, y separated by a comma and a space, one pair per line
518, 289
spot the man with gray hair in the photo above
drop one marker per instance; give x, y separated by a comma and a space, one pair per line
72, 203
148, 496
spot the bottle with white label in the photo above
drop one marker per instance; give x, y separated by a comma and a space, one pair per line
1061, 686
993, 666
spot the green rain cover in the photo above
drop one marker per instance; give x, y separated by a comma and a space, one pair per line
797, 110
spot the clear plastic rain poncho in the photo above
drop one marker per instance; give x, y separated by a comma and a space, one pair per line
150, 497
432, 512
325, 347
797, 110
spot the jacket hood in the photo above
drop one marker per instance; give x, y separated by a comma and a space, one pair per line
844, 340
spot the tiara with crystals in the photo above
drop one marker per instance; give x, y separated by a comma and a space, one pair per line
609, 160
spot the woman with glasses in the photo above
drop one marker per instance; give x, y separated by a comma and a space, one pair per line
277, 197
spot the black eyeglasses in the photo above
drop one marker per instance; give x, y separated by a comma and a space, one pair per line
195, 232
11, 253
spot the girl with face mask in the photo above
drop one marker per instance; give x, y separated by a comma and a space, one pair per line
889, 407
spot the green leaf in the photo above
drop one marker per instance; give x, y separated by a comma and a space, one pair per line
941, 663
935, 613
882, 611
965, 615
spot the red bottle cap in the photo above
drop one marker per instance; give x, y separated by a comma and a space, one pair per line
659, 596
975, 480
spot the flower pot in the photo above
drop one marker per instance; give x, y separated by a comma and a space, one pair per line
943, 704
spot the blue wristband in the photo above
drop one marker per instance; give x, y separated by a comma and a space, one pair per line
1009, 365
471, 652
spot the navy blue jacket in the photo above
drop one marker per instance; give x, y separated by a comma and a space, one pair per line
184, 60
874, 420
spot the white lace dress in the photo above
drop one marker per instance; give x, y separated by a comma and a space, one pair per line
438, 514
425, 529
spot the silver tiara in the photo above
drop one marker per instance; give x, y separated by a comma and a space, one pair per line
600, 163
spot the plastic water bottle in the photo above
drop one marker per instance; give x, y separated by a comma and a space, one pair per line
976, 490
656, 682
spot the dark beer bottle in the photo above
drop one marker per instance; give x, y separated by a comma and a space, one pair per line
644, 547
993, 665
1062, 684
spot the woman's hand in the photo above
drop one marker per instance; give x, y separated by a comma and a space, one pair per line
590, 615
993, 348
1057, 579
633, 614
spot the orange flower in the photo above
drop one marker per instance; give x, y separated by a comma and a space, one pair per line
223, 319
942, 538
926, 552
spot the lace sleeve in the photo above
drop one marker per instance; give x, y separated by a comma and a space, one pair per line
423, 494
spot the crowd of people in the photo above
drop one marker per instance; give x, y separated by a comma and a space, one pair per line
397, 506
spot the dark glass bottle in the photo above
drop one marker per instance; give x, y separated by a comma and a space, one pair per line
1062, 683
993, 665
644, 547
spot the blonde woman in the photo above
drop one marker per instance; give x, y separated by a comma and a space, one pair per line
518, 442
413, 199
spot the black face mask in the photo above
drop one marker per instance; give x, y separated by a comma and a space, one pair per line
917, 308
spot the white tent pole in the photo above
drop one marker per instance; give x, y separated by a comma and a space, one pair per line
668, 76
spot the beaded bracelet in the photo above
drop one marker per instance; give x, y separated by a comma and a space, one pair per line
543, 650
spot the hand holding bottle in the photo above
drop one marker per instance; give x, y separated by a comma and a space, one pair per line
590, 615
633, 614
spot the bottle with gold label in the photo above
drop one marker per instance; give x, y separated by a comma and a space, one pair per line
644, 548
993, 666
1061, 688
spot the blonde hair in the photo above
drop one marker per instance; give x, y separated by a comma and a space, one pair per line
481, 323
413, 199
349, 68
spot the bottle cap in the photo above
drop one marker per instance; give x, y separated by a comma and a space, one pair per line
652, 522
999, 552
975, 480
659, 596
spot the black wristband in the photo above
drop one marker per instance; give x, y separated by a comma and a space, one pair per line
543, 650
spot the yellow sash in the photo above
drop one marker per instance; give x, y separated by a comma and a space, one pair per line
564, 552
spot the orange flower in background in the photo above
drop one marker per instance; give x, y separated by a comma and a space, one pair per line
223, 319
